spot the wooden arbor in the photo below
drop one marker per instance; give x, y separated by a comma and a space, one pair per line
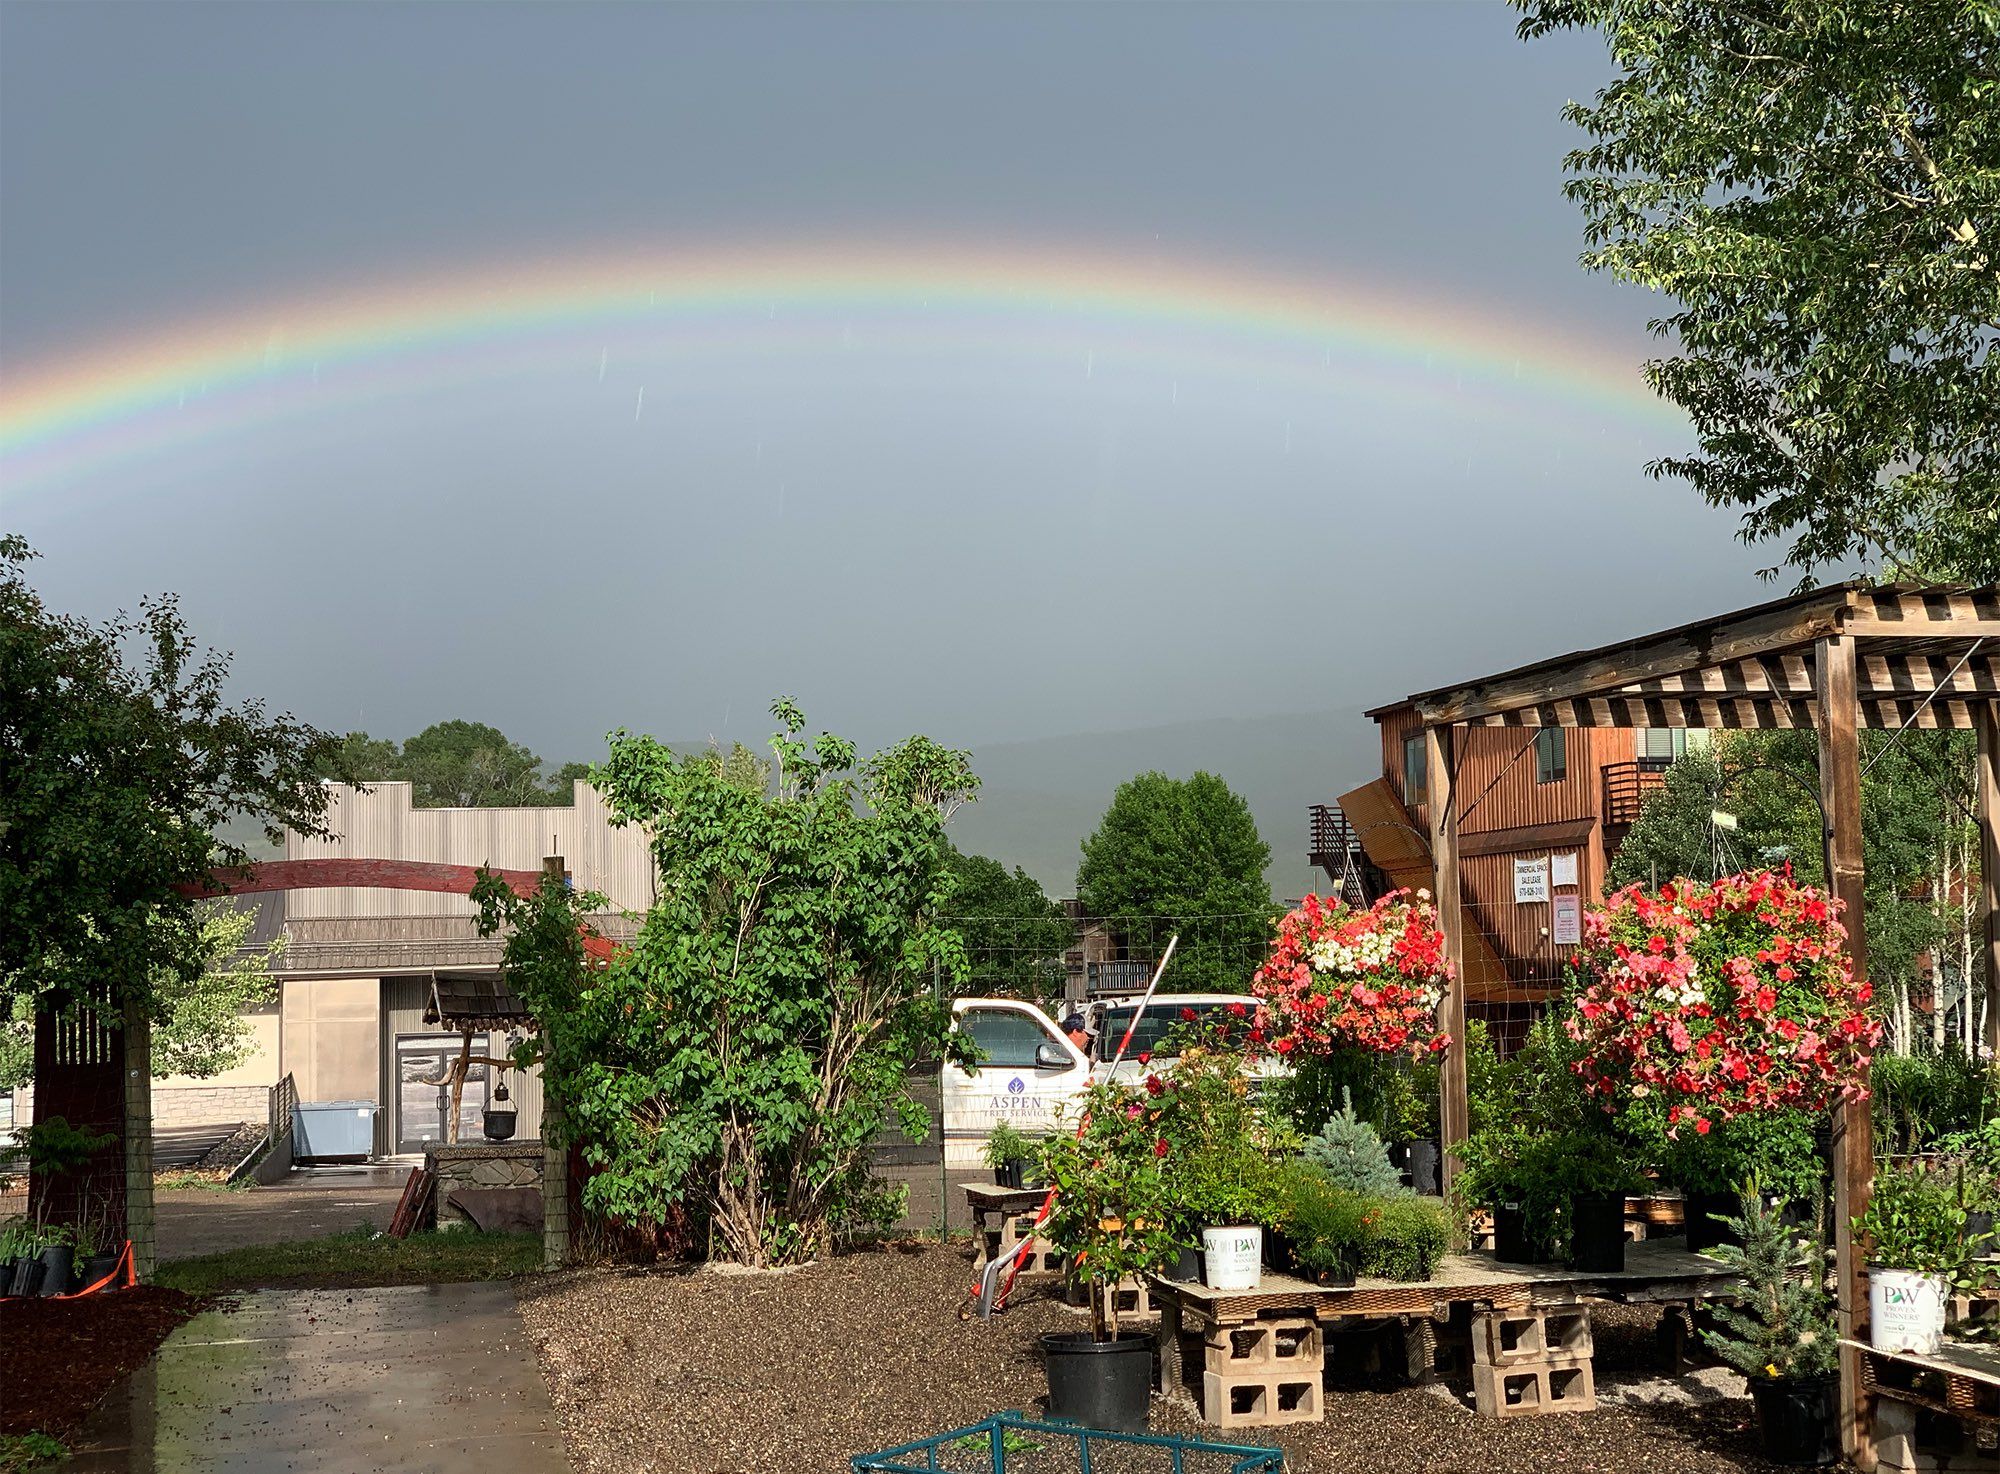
1836, 659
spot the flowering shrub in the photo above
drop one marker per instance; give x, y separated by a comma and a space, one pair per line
1372, 979
1719, 1000
1114, 1210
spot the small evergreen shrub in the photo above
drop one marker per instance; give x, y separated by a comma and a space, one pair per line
1784, 1326
1404, 1237
1350, 1152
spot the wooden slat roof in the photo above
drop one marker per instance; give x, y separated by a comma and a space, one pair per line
1928, 655
475, 1000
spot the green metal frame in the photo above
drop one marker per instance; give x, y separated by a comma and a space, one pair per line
1248, 1458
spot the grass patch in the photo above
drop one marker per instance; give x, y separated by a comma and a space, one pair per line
359, 1257
20, 1451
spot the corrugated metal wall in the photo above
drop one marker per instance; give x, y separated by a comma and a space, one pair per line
382, 824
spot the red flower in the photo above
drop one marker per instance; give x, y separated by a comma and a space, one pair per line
1145, 1056
1160, 1146
1238, 1009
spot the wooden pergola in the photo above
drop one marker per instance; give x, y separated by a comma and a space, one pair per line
1835, 660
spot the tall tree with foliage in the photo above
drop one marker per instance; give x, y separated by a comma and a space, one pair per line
736, 1059
1815, 185
1015, 936
1183, 854
460, 764
119, 760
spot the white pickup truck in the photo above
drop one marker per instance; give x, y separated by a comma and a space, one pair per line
1030, 1069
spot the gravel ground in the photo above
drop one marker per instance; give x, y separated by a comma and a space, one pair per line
703, 1372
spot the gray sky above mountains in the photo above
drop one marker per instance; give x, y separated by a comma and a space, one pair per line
991, 523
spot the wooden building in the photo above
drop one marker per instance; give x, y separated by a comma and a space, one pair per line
1542, 815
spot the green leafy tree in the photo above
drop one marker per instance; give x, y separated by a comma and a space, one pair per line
201, 1030
736, 1060
1015, 936
119, 761
462, 765
1815, 186
1185, 855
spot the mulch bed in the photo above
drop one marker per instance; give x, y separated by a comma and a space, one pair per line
58, 1358
717, 1373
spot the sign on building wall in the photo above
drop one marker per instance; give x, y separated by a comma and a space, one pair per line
1531, 880
1562, 869
1567, 924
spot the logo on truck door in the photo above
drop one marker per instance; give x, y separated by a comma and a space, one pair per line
1016, 1085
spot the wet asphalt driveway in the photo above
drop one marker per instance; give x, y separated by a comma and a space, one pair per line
432, 1377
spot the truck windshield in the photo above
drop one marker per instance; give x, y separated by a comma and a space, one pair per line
1159, 1020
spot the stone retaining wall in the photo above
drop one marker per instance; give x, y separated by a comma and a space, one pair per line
481, 1164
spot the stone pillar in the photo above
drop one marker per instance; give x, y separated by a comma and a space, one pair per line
138, 1031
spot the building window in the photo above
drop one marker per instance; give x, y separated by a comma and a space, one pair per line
1551, 755
1659, 746
1415, 784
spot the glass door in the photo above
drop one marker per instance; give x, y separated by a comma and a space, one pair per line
423, 1090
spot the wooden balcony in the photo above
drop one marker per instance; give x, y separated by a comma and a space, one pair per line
1627, 786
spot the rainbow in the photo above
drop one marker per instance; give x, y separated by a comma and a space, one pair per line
383, 339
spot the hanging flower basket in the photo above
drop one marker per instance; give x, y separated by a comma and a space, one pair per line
1718, 1000
1371, 979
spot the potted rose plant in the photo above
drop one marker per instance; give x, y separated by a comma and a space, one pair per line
1782, 1335
1220, 1164
1112, 1218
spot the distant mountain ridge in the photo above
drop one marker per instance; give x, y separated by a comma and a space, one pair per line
1039, 799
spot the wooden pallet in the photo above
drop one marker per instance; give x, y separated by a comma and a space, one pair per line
414, 1203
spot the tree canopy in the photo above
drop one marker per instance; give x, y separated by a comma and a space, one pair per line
1817, 186
1182, 854
119, 760
460, 764
1015, 936
736, 1059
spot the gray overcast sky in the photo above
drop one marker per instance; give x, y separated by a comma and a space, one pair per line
986, 535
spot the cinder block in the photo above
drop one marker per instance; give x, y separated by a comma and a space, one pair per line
1532, 1389
1261, 1401
1264, 1344
1520, 1337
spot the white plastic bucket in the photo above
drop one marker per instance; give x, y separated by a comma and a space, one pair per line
1232, 1258
1905, 1310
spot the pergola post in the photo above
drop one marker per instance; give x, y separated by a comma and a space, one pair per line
1853, 1149
1441, 799
1987, 784
555, 1151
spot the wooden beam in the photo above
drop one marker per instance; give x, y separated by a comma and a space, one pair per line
1853, 1154
1987, 806
1774, 629
1454, 1118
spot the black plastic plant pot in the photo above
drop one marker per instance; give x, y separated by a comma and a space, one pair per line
27, 1276
1977, 1226
57, 1262
1510, 1235
1796, 1420
1420, 1163
1705, 1212
1280, 1253
97, 1268
1007, 1174
1100, 1384
1186, 1267
1336, 1276
1597, 1233
499, 1125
